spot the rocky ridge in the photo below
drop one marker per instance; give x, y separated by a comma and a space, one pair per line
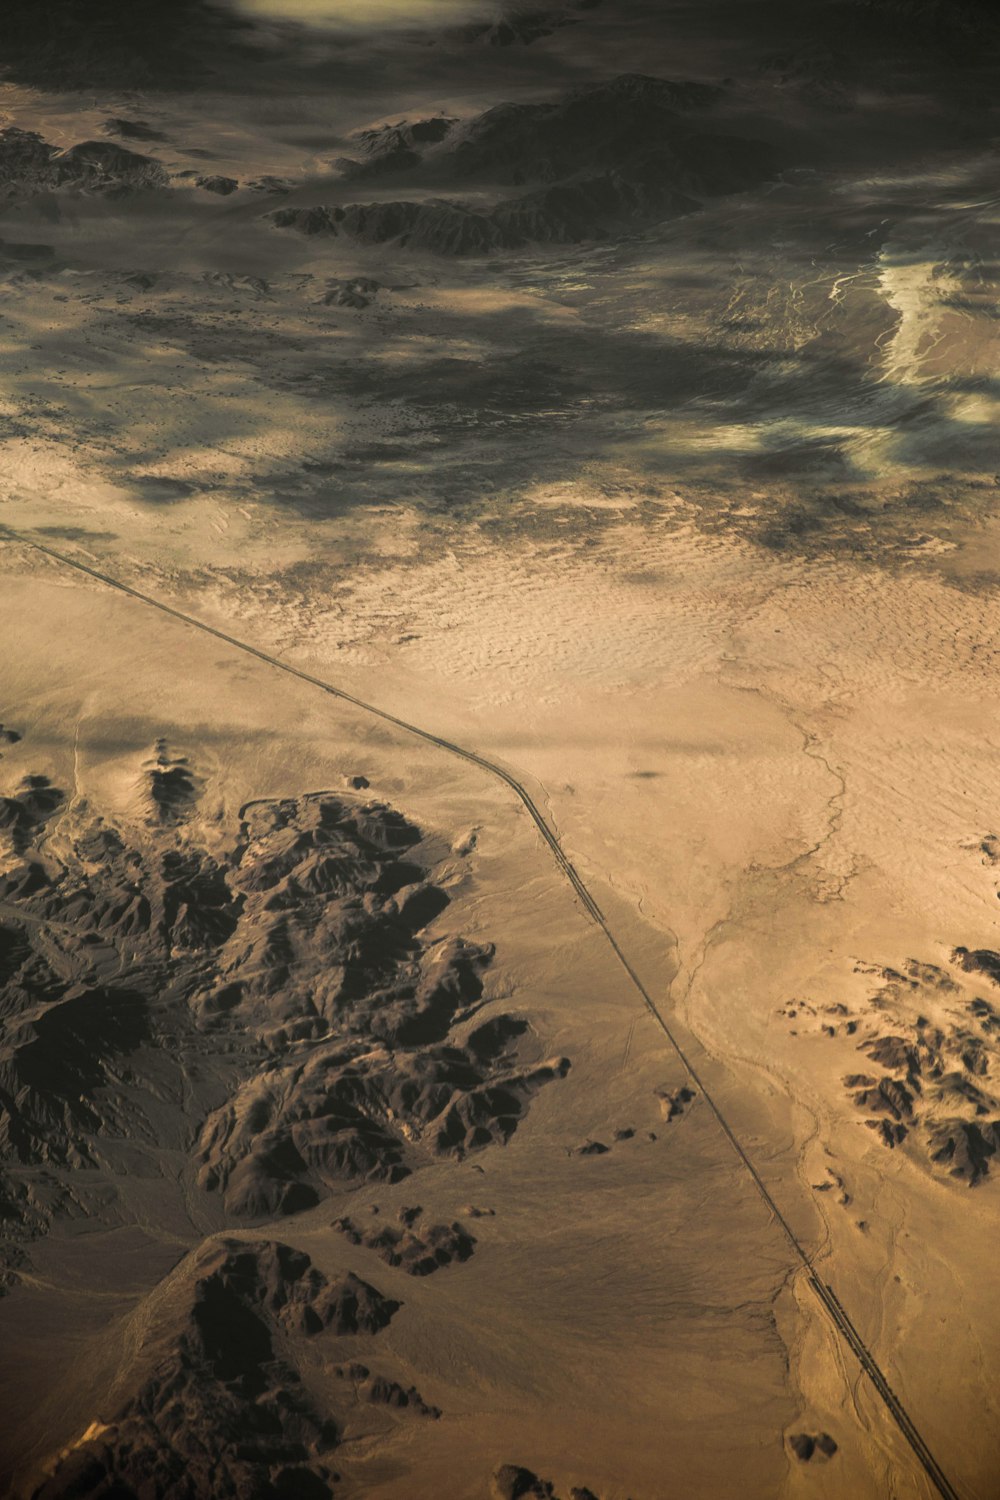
597, 161
220, 1404
285, 989
925, 1059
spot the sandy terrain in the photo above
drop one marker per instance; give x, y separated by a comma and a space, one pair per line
683, 519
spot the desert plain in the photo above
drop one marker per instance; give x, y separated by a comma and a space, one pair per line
499, 834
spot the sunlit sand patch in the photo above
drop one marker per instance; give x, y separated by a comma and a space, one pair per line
577, 495
34, 469
944, 295
976, 410
479, 300
681, 435
416, 349
96, 1430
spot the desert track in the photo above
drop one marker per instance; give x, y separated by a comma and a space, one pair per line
822, 1290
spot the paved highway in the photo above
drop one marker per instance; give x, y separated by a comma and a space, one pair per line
822, 1290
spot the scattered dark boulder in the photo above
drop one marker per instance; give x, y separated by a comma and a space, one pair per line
942, 1106
417, 1252
436, 225
394, 148
673, 1102
306, 220
894, 1052
806, 1445
171, 786
131, 130
355, 291
385, 1392
888, 1097
102, 164
978, 961
512, 1482
352, 1306
269, 183
382, 1391
216, 183
965, 1147
889, 1133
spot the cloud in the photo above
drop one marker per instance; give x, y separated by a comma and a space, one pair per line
365, 14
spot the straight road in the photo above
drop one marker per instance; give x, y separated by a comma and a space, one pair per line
823, 1291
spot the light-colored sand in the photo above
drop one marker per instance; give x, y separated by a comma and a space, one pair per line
619, 1305
720, 588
